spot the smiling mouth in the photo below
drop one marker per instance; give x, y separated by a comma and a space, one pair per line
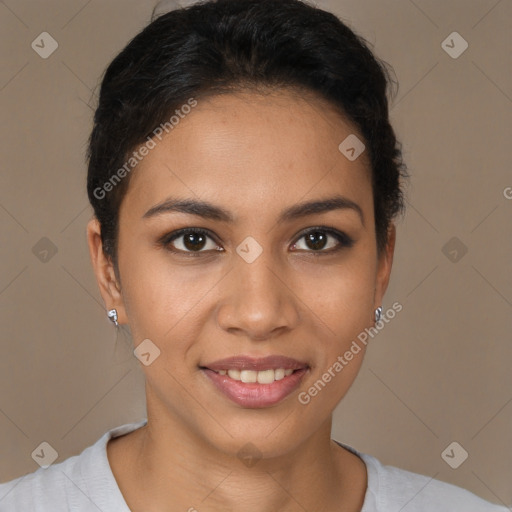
261, 377
256, 382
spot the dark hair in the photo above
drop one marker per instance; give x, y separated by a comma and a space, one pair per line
214, 47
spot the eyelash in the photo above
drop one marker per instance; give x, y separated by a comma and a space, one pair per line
344, 240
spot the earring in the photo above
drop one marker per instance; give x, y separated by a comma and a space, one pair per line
112, 314
378, 314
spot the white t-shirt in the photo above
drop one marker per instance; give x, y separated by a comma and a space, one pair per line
86, 483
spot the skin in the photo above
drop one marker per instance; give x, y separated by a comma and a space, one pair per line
254, 155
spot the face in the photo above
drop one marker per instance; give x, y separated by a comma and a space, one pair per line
241, 269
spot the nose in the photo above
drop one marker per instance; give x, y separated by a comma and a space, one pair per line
257, 301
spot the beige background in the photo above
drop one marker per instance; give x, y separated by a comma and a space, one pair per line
439, 372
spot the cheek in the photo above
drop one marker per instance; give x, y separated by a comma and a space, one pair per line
342, 302
341, 293
158, 295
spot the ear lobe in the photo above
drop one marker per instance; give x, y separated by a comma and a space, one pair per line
103, 267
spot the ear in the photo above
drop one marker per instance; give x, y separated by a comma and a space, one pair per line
103, 267
384, 265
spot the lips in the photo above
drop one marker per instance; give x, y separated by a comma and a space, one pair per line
256, 382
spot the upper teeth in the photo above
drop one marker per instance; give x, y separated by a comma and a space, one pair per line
262, 377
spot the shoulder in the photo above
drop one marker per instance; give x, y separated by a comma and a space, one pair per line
81, 482
43, 490
391, 488
420, 493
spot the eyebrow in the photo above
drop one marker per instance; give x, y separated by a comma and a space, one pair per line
210, 211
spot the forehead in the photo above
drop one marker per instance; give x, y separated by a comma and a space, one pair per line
251, 150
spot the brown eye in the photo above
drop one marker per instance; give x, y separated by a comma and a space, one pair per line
316, 240
190, 241
320, 240
194, 241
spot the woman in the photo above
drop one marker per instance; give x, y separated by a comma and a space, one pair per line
245, 179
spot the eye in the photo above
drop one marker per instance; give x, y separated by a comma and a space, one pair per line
189, 240
323, 240
194, 241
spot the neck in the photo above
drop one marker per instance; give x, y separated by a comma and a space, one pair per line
184, 470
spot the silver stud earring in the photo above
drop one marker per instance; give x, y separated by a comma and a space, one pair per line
112, 314
378, 314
